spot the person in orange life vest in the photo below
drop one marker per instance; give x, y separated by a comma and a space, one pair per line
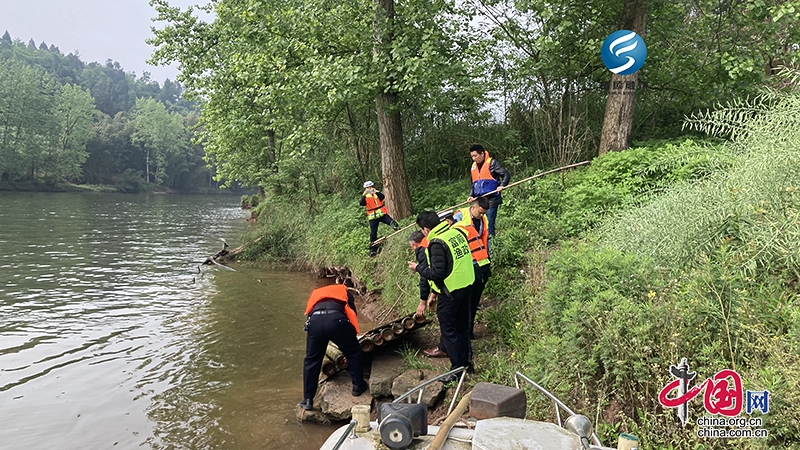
487, 175
332, 317
376, 213
474, 221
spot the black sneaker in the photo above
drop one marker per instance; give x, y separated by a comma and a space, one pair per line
449, 379
470, 369
307, 404
357, 391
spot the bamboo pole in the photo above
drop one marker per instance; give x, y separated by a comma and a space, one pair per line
538, 175
336, 356
444, 430
366, 345
396, 232
329, 367
387, 334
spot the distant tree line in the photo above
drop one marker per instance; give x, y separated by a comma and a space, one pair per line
63, 120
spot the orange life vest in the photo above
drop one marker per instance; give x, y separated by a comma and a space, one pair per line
482, 180
333, 292
478, 243
375, 207
483, 172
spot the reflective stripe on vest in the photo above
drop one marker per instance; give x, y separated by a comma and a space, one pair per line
455, 241
477, 242
333, 292
375, 207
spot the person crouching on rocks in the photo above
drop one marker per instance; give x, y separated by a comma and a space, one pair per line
332, 317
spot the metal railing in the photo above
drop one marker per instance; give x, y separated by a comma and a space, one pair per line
558, 403
420, 387
351, 427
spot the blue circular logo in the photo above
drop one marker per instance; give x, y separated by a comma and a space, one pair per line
623, 52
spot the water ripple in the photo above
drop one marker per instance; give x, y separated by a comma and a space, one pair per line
109, 337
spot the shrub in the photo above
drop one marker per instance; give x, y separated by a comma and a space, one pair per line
250, 201
130, 182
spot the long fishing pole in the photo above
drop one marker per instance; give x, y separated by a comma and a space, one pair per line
538, 175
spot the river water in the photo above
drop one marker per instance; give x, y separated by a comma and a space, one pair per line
113, 336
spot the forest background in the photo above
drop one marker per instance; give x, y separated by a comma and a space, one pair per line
685, 245
65, 122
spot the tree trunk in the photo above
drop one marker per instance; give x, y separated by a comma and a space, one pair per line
390, 130
618, 119
395, 182
271, 146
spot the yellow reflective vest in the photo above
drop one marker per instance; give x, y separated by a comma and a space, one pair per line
455, 241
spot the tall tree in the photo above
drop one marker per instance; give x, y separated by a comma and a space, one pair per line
395, 181
26, 119
296, 69
618, 119
66, 152
160, 135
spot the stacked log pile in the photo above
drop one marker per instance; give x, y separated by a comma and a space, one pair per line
371, 341
376, 337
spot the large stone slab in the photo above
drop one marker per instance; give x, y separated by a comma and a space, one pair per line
335, 397
385, 368
432, 393
494, 400
312, 416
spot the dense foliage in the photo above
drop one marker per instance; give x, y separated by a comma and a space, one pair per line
288, 89
63, 120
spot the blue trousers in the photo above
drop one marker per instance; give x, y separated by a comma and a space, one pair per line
491, 215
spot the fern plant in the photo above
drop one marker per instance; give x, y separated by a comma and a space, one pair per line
749, 204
